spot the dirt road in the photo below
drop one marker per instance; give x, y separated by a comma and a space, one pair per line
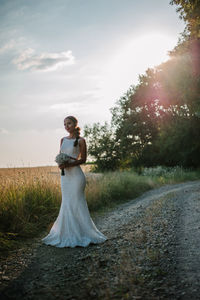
152, 253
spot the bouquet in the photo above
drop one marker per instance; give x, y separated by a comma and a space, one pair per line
62, 158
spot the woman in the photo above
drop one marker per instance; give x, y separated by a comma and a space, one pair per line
73, 226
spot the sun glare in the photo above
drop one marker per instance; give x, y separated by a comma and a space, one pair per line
131, 59
145, 51
152, 48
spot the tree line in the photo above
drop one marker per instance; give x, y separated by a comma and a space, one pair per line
157, 122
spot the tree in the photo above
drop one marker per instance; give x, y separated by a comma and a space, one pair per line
189, 11
157, 122
102, 146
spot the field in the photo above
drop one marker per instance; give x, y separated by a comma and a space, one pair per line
29, 200
31, 197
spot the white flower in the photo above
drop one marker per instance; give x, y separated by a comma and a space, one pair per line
61, 158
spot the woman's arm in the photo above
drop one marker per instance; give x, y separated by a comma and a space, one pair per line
61, 142
83, 154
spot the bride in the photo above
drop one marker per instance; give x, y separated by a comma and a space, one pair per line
73, 226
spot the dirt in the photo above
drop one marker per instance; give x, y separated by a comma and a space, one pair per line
152, 252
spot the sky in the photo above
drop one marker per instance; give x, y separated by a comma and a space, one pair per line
72, 57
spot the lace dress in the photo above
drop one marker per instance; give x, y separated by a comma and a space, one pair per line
73, 226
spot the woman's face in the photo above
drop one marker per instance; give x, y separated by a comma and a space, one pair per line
69, 125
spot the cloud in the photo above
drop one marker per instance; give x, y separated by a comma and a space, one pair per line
75, 101
3, 131
10, 45
13, 45
43, 62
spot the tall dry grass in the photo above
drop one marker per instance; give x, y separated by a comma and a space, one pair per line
30, 198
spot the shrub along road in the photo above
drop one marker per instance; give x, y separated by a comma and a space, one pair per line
152, 253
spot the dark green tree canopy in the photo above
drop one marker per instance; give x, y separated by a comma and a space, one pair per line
157, 122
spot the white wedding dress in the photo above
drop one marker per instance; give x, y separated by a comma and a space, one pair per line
73, 226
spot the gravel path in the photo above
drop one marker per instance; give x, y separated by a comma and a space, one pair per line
152, 253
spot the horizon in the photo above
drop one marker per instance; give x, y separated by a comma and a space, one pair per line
72, 58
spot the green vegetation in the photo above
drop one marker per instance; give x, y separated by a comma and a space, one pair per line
157, 122
154, 124
29, 205
105, 191
189, 11
26, 206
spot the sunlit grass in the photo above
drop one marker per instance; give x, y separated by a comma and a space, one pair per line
111, 188
169, 175
30, 198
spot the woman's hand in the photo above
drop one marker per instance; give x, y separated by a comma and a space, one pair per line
68, 164
65, 165
61, 166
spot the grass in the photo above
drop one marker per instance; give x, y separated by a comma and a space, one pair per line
30, 198
111, 188
170, 175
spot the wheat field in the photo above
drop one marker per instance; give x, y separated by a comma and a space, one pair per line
30, 198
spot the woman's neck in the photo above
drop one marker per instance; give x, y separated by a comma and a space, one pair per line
71, 136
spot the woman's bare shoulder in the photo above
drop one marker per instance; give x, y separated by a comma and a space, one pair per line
62, 140
81, 139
